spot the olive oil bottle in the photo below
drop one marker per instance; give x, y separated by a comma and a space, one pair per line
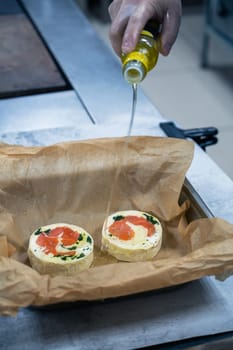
136, 64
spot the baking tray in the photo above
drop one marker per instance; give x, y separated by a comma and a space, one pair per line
198, 209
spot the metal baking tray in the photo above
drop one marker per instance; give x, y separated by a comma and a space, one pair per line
198, 209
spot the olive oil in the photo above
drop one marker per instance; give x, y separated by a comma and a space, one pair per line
134, 103
136, 64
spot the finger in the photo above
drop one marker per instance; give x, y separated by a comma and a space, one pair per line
118, 26
116, 33
113, 8
136, 23
170, 28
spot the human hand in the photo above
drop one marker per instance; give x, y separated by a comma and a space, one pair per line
129, 17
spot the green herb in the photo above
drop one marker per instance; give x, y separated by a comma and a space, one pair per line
48, 230
69, 248
70, 257
151, 219
118, 217
110, 235
89, 240
80, 237
77, 257
38, 231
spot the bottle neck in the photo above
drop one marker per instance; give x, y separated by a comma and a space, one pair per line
134, 71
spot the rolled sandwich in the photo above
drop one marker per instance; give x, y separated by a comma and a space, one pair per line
60, 249
132, 235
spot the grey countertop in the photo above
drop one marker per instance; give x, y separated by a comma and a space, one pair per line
99, 106
194, 309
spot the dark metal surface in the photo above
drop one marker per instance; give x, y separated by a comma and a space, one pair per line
9, 7
25, 65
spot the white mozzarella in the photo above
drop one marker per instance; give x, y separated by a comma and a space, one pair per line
141, 247
46, 261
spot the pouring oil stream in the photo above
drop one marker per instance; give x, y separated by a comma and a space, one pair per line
134, 103
123, 150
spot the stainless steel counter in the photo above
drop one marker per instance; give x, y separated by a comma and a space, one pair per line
99, 105
194, 309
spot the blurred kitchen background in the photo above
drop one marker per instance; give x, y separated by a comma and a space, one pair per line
193, 85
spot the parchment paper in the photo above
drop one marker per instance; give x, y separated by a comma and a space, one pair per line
71, 183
